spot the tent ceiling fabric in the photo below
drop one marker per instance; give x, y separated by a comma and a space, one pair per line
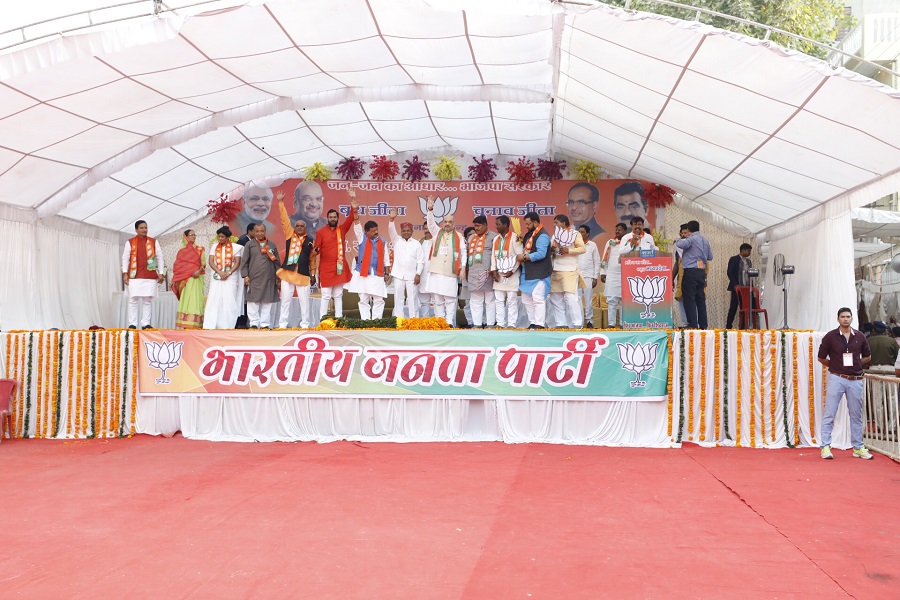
153, 117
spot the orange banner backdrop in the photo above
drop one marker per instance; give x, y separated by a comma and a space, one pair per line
596, 205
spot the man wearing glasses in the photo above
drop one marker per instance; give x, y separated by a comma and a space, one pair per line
308, 204
582, 207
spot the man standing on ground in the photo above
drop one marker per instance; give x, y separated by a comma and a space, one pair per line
537, 268
409, 260
258, 267
844, 352
739, 267
374, 268
611, 274
564, 279
334, 271
589, 267
504, 270
297, 273
447, 267
697, 253
143, 269
481, 283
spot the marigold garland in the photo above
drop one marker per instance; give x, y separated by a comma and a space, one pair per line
124, 386
586, 170
85, 382
114, 397
725, 390
522, 171
659, 196
39, 388
446, 168
415, 169
740, 389
27, 432
717, 372
57, 365
134, 359
383, 168
669, 386
422, 323
550, 170
788, 438
703, 386
773, 346
348, 168
318, 171
681, 387
482, 170
101, 385
93, 387
73, 406
795, 379
690, 370
753, 389
17, 406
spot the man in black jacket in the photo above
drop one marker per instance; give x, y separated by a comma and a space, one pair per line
738, 267
296, 274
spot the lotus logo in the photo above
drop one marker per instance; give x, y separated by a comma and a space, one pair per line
647, 291
637, 358
564, 237
442, 206
163, 356
506, 264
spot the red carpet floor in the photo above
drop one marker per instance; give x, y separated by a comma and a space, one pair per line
172, 518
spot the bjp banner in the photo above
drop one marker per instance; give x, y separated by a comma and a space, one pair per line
402, 364
647, 291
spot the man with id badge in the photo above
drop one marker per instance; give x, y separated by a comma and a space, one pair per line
844, 352
697, 253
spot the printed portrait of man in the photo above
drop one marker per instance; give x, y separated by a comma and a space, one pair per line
581, 206
309, 202
629, 202
257, 205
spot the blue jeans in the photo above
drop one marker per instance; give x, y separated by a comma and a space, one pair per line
837, 387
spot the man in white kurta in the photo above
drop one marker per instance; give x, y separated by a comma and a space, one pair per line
566, 246
223, 304
505, 271
611, 273
589, 267
409, 260
374, 269
448, 264
426, 306
143, 268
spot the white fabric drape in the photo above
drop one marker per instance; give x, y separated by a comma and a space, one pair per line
824, 280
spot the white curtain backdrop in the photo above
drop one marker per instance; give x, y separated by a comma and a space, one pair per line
824, 281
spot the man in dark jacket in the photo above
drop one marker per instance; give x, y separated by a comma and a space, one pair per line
738, 266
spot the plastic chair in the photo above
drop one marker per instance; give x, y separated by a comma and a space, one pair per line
7, 389
749, 312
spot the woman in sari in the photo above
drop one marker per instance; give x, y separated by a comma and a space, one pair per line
225, 301
187, 283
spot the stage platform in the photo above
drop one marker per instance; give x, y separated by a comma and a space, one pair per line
761, 389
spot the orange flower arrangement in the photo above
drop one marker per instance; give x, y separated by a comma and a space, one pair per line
71, 430
669, 390
753, 390
18, 404
702, 386
796, 391
690, 360
422, 324
740, 389
772, 346
717, 379
134, 361
39, 388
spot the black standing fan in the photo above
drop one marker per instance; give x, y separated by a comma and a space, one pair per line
780, 271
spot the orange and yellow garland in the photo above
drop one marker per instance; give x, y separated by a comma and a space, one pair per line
796, 392
669, 390
753, 390
812, 394
703, 385
690, 370
739, 389
717, 377
774, 384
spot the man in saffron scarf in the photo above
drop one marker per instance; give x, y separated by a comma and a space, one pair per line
143, 269
258, 268
505, 271
225, 301
374, 269
187, 282
334, 271
611, 273
567, 245
447, 267
481, 284
296, 274
537, 268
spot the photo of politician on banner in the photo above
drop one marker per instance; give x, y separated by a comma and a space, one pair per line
647, 291
425, 364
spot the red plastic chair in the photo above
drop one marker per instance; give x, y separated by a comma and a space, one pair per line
749, 312
7, 389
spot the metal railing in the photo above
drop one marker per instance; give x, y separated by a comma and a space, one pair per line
881, 414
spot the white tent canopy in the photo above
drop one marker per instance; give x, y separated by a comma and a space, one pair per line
152, 117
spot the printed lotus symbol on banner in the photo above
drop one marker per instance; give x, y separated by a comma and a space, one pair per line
442, 206
506, 264
648, 291
163, 356
638, 358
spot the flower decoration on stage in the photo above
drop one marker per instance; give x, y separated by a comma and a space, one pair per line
422, 323
521, 172
648, 291
446, 169
223, 209
638, 358
550, 170
659, 196
661, 241
415, 169
163, 356
351, 168
383, 168
317, 172
442, 206
586, 170
482, 170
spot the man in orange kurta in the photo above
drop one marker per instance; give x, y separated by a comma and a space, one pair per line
334, 271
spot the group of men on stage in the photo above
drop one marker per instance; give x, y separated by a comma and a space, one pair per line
551, 265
